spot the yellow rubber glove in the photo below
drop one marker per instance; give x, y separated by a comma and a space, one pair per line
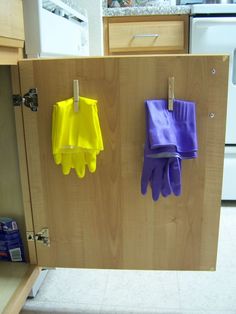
76, 136
84, 158
79, 164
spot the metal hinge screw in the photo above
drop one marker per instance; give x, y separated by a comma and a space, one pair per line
211, 115
30, 235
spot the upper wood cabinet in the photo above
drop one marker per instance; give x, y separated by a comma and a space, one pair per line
11, 31
146, 34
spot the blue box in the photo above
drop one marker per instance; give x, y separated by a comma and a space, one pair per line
11, 247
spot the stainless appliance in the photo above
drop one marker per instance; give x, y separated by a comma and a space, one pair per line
213, 30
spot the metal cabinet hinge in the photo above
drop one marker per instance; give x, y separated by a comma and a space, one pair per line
40, 237
29, 99
30, 235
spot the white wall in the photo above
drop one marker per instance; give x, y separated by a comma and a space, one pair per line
94, 10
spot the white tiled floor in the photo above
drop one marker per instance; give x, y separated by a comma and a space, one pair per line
145, 292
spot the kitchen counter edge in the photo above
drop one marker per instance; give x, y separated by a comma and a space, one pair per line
154, 10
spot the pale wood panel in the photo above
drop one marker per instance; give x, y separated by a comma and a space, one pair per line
9, 42
11, 19
123, 36
23, 165
105, 35
119, 32
10, 55
11, 204
103, 221
33, 165
213, 191
184, 235
16, 281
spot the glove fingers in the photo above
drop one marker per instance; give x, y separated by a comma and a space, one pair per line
90, 159
57, 158
156, 182
166, 188
146, 177
79, 164
66, 162
175, 175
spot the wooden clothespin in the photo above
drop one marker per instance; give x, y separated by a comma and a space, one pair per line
76, 95
171, 89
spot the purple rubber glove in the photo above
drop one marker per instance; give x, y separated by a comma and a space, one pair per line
175, 129
163, 174
172, 178
170, 137
153, 173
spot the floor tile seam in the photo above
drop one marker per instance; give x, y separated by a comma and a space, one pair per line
207, 309
150, 308
105, 290
179, 290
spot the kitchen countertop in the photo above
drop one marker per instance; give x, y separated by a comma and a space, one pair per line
151, 10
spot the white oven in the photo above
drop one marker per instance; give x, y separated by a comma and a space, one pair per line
213, 30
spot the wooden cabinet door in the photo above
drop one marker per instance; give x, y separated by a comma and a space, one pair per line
103, 221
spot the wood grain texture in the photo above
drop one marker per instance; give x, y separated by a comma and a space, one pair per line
11, 32
33, 159
11, 204
16, 281
10, 55
11, 19
123, 36
10, 42
119, 34
103, 221
106, 36
21, 148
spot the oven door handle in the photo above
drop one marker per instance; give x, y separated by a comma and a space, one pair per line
213, 21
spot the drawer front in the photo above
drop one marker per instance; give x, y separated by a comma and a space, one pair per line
146, 36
